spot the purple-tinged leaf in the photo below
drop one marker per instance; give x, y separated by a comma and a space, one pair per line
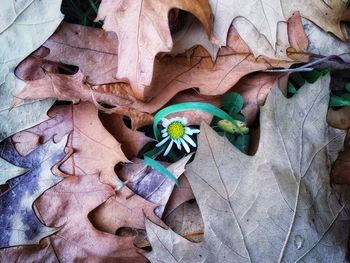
19, 225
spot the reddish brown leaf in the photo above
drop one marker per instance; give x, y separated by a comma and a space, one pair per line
74, 88
95, 149
131, 141
66, 206
93, 50
339, 119
254, 90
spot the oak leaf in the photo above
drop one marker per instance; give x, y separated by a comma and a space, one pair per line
262, 25
34, 23
66, 207
95, 150
148, 35
276, 206
19, 224
171, 76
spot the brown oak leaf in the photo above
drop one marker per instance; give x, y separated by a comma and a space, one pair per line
141, 41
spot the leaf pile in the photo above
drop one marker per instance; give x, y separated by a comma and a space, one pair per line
77, 106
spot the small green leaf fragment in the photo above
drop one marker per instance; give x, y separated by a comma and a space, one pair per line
227, 126
291, 88
336, 101
233, 102
347, 87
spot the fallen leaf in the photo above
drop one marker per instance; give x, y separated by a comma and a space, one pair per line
34, 23
322, 43
150, 184
180, 195
73, 88
19, 223
277, 205
140, 42
340, 118
255, 88
95, 150
171, 76
340, 170
186, 220
194, 117
131, 141
66, 207
262, 26
10, 12
93, 50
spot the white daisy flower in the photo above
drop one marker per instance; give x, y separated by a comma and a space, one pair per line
177, 132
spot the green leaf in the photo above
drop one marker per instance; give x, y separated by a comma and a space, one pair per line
297, 79
160, 168
313, 76
347, 85
28, 31
191, 106
336, 101
233, 103
227, 126
291, 88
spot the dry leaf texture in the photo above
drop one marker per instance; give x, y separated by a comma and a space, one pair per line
276, 206
22, 35
19, 225
141, 41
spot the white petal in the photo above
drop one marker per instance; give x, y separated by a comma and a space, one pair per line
168, 148
162, 142
189, 140
164, 130
184, 121
185, 145
188, 131
165, 122
165, 134
178, 144
195, 130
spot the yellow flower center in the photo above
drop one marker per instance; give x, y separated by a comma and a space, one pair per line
176, 130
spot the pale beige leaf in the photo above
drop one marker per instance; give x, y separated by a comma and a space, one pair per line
276, 206
148, 35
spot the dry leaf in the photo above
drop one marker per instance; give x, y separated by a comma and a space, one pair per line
150, 184
255, 88
33, 23
180, 195
73, 88
277, 205
186, 220
95, 149
262, 26
141, 41
341, 168
325, 44
19, 224
194, 117
173, 75
66, 206
131, 141
93, 50
340, 118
